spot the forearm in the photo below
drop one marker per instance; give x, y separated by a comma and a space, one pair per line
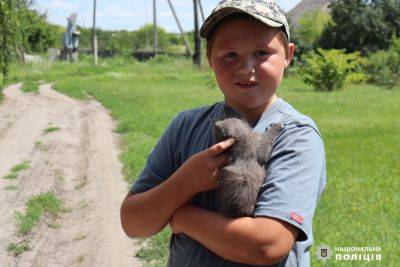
240, 240
147, 213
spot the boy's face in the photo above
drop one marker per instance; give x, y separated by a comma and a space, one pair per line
248, 60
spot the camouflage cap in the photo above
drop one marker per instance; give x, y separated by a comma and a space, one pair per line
266, 11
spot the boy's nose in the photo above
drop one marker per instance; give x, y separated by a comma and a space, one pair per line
246, 67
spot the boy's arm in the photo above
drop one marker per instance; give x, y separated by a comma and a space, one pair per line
284, 209
147, 213
256, 241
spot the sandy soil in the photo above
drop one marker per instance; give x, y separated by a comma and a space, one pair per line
79, 163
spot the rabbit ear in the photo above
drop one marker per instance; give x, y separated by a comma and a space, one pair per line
268, 139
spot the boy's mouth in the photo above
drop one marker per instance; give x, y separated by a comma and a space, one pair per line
246, 85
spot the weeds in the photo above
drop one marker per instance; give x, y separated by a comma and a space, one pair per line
80, 259
41, 146
81, 184
51, 129
10, 176
18, 248
30, 86
13, 174
53, 225
35, 207
79, 237
59, 175
10, 187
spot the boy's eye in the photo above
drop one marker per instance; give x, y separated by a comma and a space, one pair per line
231, 55
261, 53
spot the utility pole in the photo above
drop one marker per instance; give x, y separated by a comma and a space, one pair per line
188, 49
155, 27
94, 37
201, 10
197, 40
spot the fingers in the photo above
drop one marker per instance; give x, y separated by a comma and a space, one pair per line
217, 149
221, 160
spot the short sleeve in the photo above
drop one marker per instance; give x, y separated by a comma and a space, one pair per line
295, 179
162, 161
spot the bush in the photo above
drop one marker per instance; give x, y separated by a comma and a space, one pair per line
327, 70
384, 66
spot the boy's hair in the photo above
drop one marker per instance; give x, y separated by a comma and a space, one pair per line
211, 36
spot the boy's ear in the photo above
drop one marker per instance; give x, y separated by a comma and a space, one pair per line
209, 61
291, 49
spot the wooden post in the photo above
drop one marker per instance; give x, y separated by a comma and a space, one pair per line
201, 10
188, 49
94, 37
197, 40
155, 27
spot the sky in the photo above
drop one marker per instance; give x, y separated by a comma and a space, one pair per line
130, 14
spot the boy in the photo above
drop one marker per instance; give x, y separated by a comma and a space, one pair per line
248, 49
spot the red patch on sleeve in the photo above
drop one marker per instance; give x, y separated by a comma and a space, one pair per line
296, 217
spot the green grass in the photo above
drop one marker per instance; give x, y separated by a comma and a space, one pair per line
80, 259
13, 174
59, 175
18, 248
51, 129
155, 253
10, 187
36, 206
359, 126
79, 237
30, 86
20, 167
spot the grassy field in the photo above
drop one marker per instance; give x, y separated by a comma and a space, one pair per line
361, 133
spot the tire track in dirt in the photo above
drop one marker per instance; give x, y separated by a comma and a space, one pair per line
80, 164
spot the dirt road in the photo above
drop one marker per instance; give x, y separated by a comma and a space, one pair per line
79, 163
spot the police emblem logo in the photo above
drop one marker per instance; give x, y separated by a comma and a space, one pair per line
324, 253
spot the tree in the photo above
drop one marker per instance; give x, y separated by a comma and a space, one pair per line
22, 29
309, 30
361, 25
39, 35
144, 38
8, 34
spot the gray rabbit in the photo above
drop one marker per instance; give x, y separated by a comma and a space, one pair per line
242, 178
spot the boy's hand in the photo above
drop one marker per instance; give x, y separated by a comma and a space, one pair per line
201, 171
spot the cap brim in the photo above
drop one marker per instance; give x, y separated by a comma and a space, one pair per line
227, 11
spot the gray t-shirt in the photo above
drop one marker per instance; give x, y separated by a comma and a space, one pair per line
296, 177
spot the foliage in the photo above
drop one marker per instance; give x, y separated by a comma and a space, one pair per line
309, 30
361, 25
22, 29
122, 43
327, 70
384, 66
37, 34
8, 34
